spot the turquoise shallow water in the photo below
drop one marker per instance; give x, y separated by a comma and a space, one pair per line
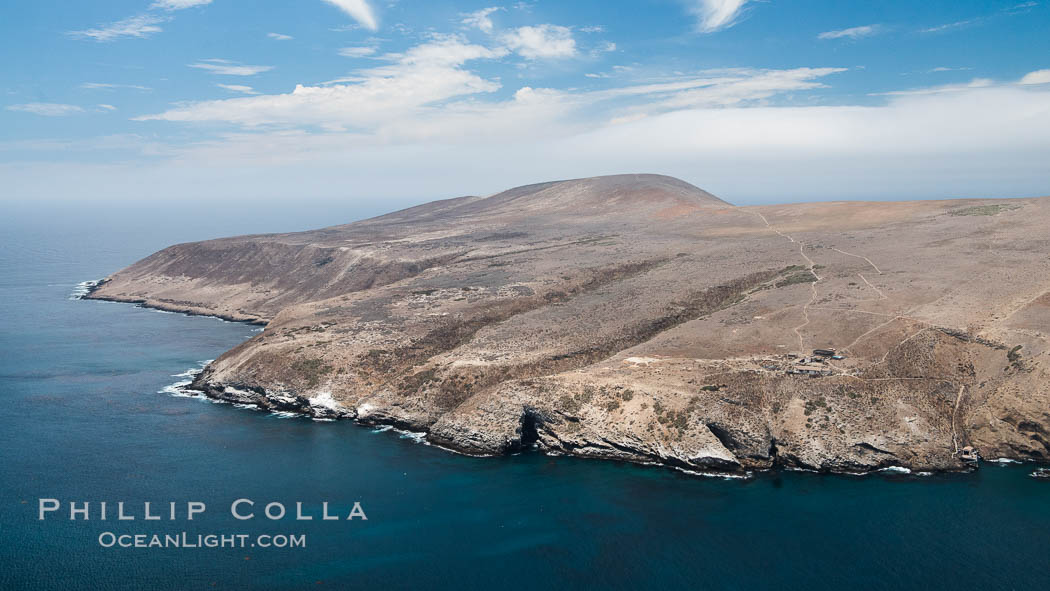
82, 419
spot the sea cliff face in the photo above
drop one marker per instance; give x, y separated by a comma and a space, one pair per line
639, 318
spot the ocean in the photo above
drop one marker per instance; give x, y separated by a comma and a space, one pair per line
88, 413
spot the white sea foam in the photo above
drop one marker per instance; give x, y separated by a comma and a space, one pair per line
1004, 461
413, 435
722, 475
173, 389
896, 470
82, 289
178, 389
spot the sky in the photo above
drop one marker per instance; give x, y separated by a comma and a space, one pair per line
387, 103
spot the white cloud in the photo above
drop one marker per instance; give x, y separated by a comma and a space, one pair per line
947, 69
241, 88
108, 86
279, 37
979, 142
592, 29
228, 68
481, 19
357, 51
427, 92
948, 26
423, 120
851, 33
46, 109
975, 83
541, 41
106, 107
1036, 77
178, 4
359, 10
726, 88
1020, 8
140, 26
715, 15
413, 80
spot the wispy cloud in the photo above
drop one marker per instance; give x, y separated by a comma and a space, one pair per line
948, 26
108, 86
852, 32
399, 91
178, 4
945, 88
1030, 79
357, 51
140, 26
481, 19
228, 68
46, 109
1017, 9
721, 88
946, 69
106, 107
429, 92
541, 41
238, 88
279, 37
715, 15
359, 10
1021, 8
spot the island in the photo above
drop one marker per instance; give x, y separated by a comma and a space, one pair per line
639, 318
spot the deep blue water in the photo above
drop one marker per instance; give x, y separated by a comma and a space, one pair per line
81, 419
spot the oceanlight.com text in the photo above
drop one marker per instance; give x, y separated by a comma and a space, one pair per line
191, 541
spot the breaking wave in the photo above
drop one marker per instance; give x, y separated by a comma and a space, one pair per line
179, 388
82, 289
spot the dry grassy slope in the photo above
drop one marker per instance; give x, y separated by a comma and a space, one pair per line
638, 317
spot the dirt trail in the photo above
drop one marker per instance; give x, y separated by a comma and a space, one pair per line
873, 266
812, 285
882, 296
958, 400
